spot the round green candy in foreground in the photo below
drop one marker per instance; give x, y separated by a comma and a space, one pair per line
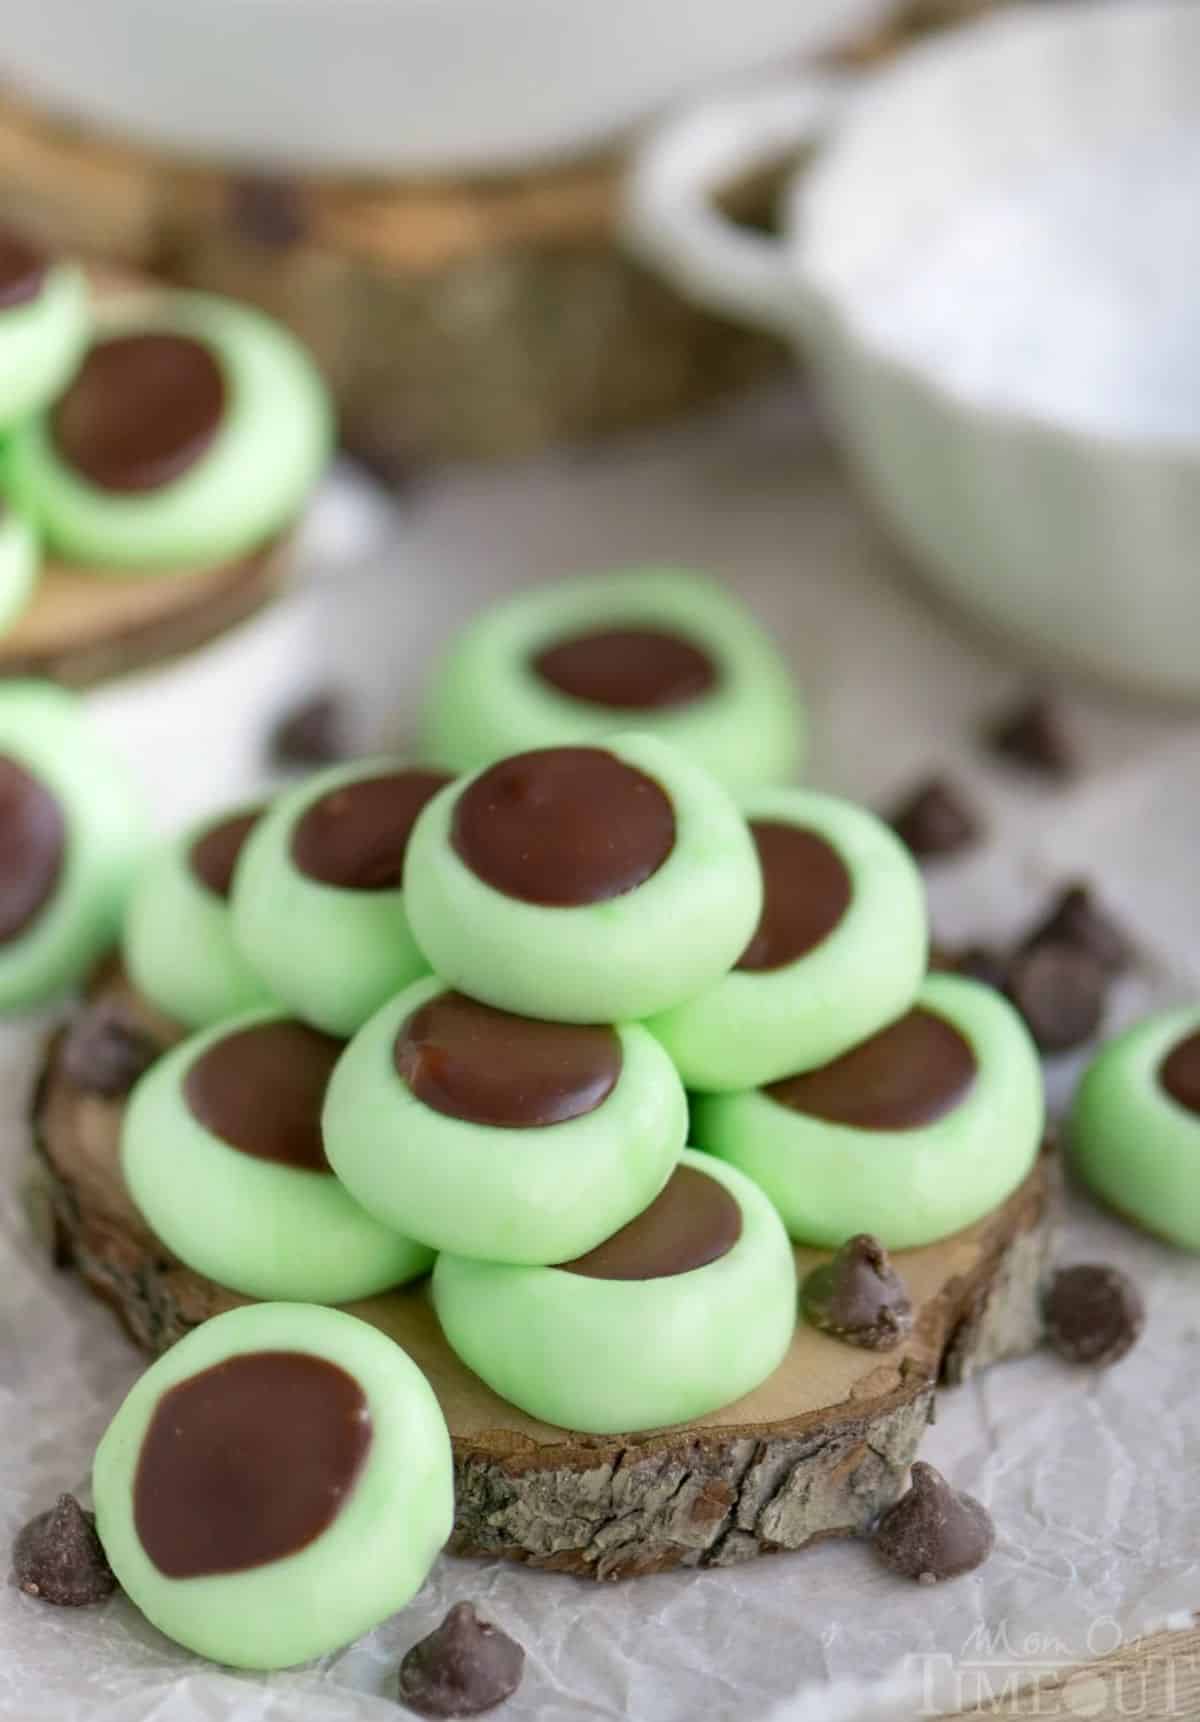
332, 953
488, 698
529, 1195
244, 488
41, 342
368, 1563
755, 1025
257, 1226
44, 732
20, 562
907, 1186
1130, 1141
178, 942
615, 960
609, 1356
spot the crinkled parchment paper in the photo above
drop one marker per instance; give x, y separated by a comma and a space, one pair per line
1091, 1478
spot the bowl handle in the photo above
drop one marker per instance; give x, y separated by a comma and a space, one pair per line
669, 217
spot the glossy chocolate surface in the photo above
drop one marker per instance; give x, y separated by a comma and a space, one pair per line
692, 1222
214, 854
487, 1066
23, 269
563, 827
248, 1462
142, 410
33, 841
906, 1076
1179, 1073
356, 836
628, 669
806, 891
261, 1090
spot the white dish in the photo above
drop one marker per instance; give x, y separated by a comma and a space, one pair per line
393, 86
993, 265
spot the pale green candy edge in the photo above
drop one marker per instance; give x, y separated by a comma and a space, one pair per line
42, 342
247, 487
613, 1356
755, 1027
907, 1187
486, 702
333, 956
20, 563
178, 943
45, 729
526, 1196
615, 961
254, 1226
1133, 1145
374, 1556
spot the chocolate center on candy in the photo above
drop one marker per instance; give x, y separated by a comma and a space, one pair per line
908, 1075
214, 854
356, 837
489, 1067
33, 840
1179, 1073
248, 1462
23, 269
261, 1090
806, 891
563, 827
692, 1222
630, 669
141, 411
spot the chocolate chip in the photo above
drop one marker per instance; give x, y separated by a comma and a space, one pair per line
859, 1297
464, 1667
1075, 918
311, 733
1034, 736
105, 1053
936, 820
934, 1532
268, 211
57, 1556
1061, 992
1094, 1314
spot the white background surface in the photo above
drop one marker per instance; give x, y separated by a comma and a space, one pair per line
1091, 1478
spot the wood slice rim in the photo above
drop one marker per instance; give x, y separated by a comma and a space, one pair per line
817, 1451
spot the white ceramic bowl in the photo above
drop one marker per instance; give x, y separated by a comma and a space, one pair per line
1001, 312
393, 86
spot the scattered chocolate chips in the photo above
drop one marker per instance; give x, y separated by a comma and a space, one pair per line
858, 1296
1034, 736
58, 1557
268, 211
464, 1667
1075, 918
936, 820
311, 733
104, 1053
1061, 992
934, 1532
1094, 1314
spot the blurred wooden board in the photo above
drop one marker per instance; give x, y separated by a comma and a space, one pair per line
816, 1451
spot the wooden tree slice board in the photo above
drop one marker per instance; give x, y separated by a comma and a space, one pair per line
453, 316
82, 627
816, 1451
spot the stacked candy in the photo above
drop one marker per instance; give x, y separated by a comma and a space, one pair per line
146, 432
452, 1021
